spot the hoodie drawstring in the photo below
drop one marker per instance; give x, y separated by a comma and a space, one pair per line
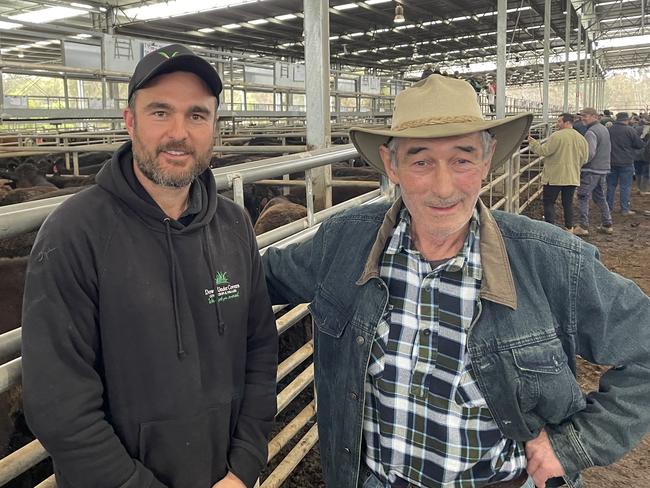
177, 322
207, 251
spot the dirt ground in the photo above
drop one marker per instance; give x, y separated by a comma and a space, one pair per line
626, 252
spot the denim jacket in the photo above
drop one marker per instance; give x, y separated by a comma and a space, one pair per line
544, 298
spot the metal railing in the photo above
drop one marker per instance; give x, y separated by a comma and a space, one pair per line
504, 190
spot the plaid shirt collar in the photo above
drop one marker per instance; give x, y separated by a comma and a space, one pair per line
401, 240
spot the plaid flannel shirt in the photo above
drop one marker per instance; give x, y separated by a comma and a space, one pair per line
425, 419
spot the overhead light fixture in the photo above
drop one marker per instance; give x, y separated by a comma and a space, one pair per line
81, 5
21, 55
375, 2
345, 6
399, 15
231, 26
258, 21
206, 30
286, 17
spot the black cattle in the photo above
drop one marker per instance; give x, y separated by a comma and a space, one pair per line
28, 175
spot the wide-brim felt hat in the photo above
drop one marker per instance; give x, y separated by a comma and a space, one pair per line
441, 106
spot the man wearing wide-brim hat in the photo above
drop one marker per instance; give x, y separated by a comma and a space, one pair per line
446, 333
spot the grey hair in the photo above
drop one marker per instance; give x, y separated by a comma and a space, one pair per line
487, 139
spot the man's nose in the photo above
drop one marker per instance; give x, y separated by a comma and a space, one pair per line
177, 129
442, 181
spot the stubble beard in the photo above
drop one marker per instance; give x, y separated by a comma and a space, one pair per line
149, 164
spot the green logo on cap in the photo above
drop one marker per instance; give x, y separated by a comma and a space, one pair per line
165, 55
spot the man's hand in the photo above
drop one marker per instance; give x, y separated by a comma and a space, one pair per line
530, 138
542, 461
229, 481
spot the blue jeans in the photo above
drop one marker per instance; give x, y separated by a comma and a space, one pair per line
591, 185
642, 173
624, 174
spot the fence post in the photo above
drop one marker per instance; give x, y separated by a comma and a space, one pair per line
75, 163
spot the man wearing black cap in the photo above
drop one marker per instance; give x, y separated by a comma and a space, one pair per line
149, 344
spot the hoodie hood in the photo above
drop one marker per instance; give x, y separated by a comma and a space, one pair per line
115, 175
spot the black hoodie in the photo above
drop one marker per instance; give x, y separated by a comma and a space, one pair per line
149, 346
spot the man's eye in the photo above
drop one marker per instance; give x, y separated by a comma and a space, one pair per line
159, 113
198, 117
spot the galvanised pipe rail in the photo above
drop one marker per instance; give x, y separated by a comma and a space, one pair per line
21, 460
8, 152
10, 346
24, 217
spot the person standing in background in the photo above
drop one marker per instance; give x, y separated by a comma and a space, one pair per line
625, 145
564, 154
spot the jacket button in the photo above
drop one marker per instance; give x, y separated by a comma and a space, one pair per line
378, 285
360, 340
354, 396
347, 450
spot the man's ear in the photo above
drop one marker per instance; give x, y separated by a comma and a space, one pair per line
384, 153
129, 120
488, 161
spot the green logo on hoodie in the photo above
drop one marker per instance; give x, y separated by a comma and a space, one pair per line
223, 290
221, 278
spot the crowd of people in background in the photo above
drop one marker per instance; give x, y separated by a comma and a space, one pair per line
597, 154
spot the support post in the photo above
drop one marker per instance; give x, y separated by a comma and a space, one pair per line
585, 70
502, 26
567, 49
317, 93
579, 104
547, 51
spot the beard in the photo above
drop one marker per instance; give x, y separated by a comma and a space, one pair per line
150, 166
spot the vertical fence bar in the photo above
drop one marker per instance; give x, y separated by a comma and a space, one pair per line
309, 197
515, 167
238, 190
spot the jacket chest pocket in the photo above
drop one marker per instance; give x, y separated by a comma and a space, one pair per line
546, 385
328, 317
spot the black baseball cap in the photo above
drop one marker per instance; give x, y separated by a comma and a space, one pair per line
168, 59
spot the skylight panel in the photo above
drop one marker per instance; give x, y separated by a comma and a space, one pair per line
177, 8
345, 6
623, 41
49, 14
286, 17
9, 25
